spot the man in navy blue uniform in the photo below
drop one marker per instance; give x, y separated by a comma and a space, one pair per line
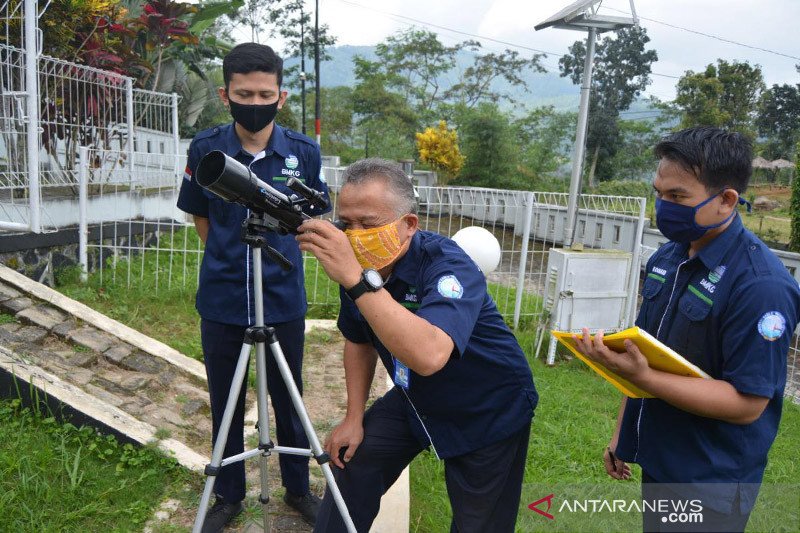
718, 296
463, 387
225, 299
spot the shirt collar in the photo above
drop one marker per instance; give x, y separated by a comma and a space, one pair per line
407, 266
713, 253
277, 142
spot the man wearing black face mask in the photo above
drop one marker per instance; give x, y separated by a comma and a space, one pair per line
225, 302
718, 296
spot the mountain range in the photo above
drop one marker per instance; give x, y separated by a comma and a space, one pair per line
543, 88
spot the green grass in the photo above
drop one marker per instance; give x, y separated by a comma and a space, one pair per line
769, 227
57, 477
574, 422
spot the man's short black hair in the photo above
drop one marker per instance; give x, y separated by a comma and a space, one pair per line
718, 158
251, 57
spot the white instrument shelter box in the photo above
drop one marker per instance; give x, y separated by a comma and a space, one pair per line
587, 289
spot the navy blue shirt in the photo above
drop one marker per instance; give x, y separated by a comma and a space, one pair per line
731, 310
225, 290
485, 392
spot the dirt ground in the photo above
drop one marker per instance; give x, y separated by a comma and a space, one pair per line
325, 400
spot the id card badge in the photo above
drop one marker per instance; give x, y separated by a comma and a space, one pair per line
401, 374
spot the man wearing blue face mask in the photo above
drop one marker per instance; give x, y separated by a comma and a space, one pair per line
718, 296
225, 300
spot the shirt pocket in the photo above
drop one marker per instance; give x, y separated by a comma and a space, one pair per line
650, 290
691, 326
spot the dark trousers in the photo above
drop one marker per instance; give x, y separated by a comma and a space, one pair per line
712, 520
483, 486
222, 344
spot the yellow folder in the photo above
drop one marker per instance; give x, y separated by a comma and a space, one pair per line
659, 356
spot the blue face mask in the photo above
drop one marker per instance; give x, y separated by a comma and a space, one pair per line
676, 222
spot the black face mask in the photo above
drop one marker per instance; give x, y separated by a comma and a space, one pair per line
253, 118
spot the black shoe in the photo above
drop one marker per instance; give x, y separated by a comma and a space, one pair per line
307, 505
220, 515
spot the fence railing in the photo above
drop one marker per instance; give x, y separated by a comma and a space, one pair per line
79, 106
137, 225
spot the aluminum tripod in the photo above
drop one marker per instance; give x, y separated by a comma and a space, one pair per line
259, 335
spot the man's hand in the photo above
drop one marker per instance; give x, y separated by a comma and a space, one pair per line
630, 364
616, 468
348, 434
332, 248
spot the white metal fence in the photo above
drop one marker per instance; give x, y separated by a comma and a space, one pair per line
141, 239
138, 219
78, 106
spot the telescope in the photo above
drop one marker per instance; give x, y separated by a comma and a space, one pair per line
232, 181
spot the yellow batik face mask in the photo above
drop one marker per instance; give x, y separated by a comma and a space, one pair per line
375, 247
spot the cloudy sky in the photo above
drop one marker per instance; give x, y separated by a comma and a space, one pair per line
767, 24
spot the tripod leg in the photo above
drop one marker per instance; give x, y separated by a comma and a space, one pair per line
319, 454
222, 435
264, 442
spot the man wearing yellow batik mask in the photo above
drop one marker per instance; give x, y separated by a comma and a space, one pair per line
463, 388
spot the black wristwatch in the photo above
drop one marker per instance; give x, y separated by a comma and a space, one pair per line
370, 281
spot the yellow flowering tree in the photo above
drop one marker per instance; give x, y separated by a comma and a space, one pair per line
438, 147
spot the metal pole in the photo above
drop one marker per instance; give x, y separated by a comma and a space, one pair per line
83, 199
176, 136
580, 140
131, 130
634, 15
317, 108
633, 281
32, 104
523, 261
303, 69
261, 381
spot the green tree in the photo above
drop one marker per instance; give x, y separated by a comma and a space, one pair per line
294, 24
384, 120
724, 95
698, 97
475, 84
545, 140
778, 120
255, 15
337, 109
488, 144
418, 67
386, 138
414, 62
634, 159
622, 68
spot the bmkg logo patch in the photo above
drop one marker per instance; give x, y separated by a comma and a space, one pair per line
450, 287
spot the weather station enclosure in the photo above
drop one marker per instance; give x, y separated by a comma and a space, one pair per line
587, 289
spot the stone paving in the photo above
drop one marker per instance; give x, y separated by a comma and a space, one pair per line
171, 399
147, 387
